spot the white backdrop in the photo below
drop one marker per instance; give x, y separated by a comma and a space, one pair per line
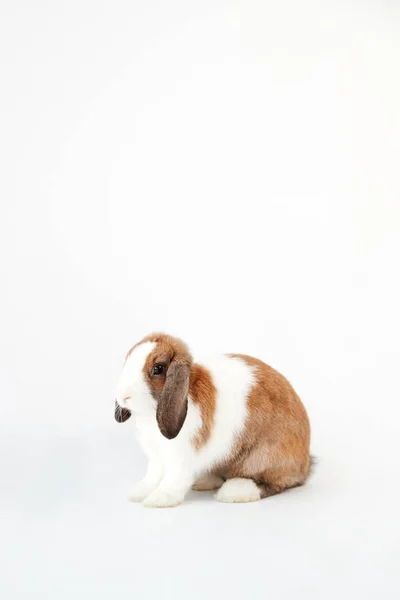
227, 172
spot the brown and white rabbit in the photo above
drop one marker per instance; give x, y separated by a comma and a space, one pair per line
230, 422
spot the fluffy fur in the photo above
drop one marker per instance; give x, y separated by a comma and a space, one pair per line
231, 422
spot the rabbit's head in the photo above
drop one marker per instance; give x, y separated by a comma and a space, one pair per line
155, 380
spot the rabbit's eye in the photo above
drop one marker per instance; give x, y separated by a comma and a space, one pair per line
158, 369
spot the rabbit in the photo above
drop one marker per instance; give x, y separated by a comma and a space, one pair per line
231, 424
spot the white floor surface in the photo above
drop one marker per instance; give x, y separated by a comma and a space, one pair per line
69, 531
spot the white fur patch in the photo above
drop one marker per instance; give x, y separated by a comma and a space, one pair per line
132, 390
233, 380
238, 490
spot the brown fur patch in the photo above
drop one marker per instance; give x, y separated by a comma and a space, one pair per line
165, 344
207, 483
203, 393
273, 449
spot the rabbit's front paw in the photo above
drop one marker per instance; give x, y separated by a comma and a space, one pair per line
141, 491
162, 498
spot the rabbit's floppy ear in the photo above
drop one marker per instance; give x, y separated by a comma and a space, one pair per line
172, 405
121, 414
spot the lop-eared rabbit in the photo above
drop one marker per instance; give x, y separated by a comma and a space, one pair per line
230, 423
